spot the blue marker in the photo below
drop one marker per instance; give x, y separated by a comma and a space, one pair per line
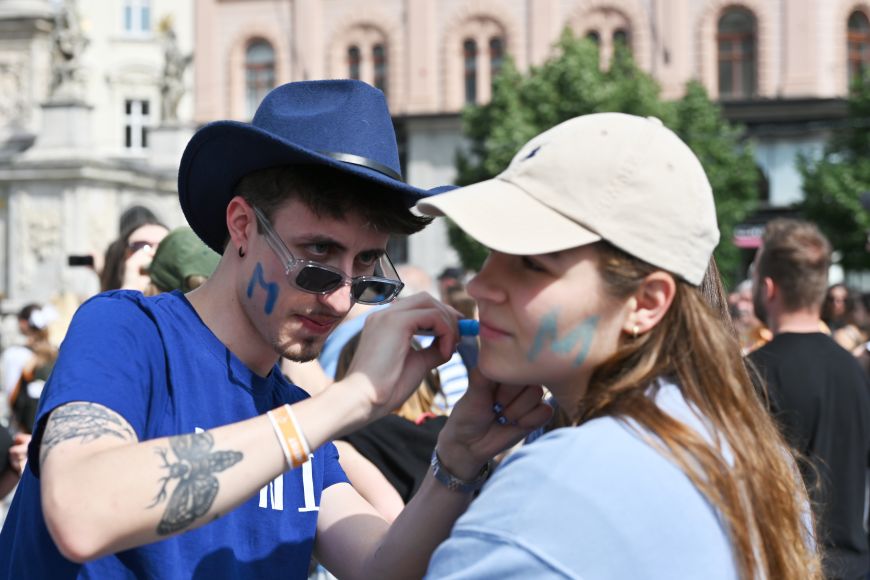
467, 327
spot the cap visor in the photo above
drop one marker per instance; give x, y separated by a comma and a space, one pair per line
503, 217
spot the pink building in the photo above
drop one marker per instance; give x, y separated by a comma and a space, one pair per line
780, 67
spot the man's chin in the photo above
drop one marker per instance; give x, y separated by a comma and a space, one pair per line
303, 351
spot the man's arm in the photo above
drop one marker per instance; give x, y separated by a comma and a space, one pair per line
353, 541
104, 491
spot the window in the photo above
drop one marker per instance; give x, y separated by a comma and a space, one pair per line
379, 58
137, 17
259, 74
858, 44
496, 56
137, 118
594, 37
469, 52
736, 38
621, 38
353, 62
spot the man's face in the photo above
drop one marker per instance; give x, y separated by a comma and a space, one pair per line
759, 299
292, 322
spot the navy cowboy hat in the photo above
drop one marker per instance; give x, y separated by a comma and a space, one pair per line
342, 124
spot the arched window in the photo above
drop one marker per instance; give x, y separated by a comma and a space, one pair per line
496, 56
859, 44
594, 37
621, 38
379, 59
353, 62
469, 52
259, 73
736, 40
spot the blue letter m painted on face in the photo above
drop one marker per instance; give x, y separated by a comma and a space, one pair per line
270, 287
548, 334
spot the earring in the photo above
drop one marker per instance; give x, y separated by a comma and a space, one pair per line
241, 252
634, 330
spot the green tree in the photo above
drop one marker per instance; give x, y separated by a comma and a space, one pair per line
835, 182
571, 84
729, 164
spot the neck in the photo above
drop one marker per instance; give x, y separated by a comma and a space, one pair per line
799, 321
218, 306
569, 394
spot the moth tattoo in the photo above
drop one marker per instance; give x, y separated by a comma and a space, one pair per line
197, 486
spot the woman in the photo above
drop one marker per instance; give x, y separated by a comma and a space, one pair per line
600, 232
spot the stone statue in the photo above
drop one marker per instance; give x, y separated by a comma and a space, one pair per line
172, 82
68, 44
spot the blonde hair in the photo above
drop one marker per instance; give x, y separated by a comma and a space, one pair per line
420, 402
761, 496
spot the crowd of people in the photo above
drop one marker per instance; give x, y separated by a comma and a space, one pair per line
265, 394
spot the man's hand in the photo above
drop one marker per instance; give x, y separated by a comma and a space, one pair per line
387, 368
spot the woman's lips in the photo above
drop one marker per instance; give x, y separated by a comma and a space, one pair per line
491, 332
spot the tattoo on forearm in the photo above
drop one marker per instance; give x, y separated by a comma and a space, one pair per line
197, 486
84, 421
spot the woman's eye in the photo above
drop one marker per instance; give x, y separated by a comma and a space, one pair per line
531, 264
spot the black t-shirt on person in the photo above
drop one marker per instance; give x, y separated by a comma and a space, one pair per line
820, 397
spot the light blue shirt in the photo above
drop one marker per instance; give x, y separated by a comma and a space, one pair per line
592, 502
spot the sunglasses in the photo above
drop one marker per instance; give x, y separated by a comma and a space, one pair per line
381, 287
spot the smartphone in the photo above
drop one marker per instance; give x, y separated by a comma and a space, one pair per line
80, 260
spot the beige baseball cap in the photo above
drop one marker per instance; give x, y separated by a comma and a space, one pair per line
607, 176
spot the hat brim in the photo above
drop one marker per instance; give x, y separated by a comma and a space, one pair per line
223, 152
505, 218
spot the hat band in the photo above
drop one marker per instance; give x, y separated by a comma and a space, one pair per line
363, 162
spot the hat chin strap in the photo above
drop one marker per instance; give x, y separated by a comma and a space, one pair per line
363, 162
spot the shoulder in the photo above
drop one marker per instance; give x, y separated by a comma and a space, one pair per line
604, 486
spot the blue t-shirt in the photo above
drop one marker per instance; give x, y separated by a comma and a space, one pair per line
153, 361
594, 501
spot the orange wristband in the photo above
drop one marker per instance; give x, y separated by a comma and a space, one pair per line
293, 443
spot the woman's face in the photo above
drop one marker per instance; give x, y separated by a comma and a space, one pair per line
146, 239
546, 319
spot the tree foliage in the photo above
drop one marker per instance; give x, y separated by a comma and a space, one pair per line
835, 183
572, 84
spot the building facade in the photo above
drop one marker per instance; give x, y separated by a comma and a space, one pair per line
780, 68
95, 106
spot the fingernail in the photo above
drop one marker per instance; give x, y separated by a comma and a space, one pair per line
497, 408
501, 420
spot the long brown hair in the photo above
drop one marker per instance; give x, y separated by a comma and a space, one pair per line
760, 495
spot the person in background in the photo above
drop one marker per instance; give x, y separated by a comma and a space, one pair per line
844, 314
182, 262
600, 233
15, 357
387, 460
449, 278
126, 259
818, 391
24, 398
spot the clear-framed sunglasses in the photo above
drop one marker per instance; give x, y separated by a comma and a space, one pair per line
381, 287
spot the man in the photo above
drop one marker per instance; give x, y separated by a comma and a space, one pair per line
153, 421
818, 391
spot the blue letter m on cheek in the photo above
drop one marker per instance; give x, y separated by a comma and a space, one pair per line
548, 333
258, 278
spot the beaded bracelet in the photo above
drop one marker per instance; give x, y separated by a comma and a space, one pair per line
452, 482
290, 436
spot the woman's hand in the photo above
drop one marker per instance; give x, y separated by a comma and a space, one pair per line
489, 418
